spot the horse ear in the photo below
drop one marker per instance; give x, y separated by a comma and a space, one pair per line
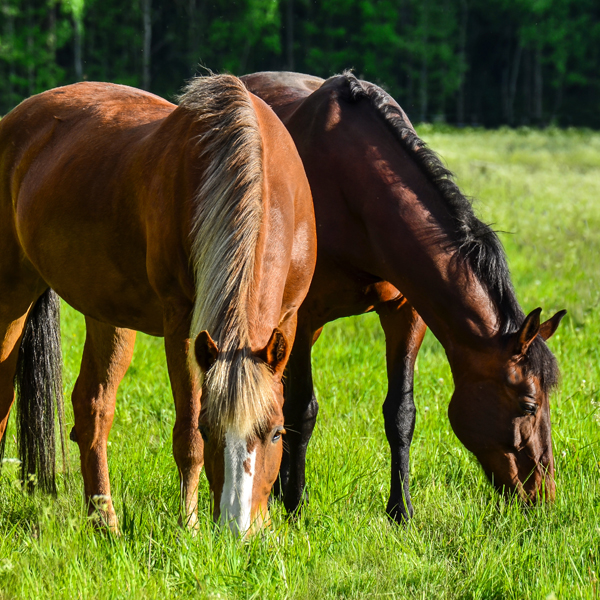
275, 351
547, 328
528, 332
206, 350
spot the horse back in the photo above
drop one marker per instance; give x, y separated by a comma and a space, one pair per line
58, 130
282, 91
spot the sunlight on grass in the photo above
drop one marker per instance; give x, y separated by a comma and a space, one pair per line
543, 189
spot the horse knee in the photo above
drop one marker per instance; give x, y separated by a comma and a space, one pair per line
188, 448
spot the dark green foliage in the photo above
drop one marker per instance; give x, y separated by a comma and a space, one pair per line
484, 62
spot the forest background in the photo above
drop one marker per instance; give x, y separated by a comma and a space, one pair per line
465, 62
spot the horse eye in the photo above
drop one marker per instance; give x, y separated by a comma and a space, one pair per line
277, 436
529, 408
203, 432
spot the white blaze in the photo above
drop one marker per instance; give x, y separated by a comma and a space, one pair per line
236, 499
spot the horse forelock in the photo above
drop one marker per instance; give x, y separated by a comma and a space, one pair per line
542, 363
228, 218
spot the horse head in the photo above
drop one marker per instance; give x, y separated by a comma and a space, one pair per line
242, 460
502, 415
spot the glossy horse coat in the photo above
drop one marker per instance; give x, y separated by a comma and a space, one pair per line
192, 222
395, 235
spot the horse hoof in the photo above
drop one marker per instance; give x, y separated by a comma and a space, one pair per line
190, 524
102, 514
295, 507
399, 516
105, 523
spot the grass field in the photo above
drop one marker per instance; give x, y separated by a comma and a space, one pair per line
543, 188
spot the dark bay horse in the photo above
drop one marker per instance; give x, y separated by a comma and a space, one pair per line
192, 222
395, 235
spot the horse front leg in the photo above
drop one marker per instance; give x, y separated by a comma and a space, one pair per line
404, 331
106, 357
188, 447
300, 411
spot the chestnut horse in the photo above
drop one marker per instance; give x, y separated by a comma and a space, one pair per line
395, 235
192, 222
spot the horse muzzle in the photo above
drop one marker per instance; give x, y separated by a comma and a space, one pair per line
529, 480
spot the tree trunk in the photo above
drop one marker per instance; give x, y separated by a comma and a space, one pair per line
289, 35
527, 111
423, 95
514, 77
504, 92
147, 49
78, 25
462, 57
52, 40
30, 52
195, 9
538, 86
245, 55
9, 29
52, 32
192, 33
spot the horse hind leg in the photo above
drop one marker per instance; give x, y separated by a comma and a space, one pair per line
106, 357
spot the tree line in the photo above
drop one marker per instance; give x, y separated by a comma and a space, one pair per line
467, 62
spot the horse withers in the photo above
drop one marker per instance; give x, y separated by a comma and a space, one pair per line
396, 235
192, 222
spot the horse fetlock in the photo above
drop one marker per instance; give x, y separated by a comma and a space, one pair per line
399, 512
295, 499
101, 514
190, 522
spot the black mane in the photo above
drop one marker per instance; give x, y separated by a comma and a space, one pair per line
476, 242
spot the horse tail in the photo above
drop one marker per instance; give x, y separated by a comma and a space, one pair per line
228, 220
38, 382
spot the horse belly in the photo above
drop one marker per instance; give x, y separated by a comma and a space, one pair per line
115, 303
100, 288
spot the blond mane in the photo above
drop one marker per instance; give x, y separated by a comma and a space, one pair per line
229, 213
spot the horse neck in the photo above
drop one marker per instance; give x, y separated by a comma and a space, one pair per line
414, 243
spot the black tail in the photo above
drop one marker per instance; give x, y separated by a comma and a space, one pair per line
39, 393
3, 445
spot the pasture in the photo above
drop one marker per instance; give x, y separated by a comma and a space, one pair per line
543, 190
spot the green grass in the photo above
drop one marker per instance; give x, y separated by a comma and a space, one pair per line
541, 187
